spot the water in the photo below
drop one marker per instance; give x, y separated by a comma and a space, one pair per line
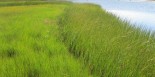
139, 12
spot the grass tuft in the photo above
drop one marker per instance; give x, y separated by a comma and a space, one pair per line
11, 52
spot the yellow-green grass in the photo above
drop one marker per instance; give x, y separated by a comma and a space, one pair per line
108, 46
35, 40
30, 45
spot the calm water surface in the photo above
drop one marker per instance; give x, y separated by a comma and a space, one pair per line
139, 12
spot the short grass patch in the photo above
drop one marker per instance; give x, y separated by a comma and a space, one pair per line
30, 45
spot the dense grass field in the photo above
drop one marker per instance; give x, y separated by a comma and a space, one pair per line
62, 39
109, 47
30, 45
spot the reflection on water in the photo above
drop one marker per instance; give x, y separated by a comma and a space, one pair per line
139, 12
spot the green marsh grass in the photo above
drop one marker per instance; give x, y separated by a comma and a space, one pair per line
40, 41
109, 47
30, 45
